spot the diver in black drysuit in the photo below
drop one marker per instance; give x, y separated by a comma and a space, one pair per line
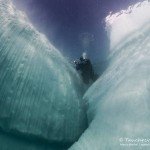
85, 67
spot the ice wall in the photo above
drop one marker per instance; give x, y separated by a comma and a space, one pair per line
119, 102
40, 93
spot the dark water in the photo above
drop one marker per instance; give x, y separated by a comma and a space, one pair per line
65, 22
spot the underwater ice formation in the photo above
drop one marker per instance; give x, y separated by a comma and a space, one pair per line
41, 106
119, 102
40, 93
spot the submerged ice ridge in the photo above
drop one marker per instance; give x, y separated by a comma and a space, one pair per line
119, 102
40, 93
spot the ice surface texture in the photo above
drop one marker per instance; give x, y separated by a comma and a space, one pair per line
40, 93
119, 102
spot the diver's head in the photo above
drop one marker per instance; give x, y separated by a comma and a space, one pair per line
81, 58
84, 55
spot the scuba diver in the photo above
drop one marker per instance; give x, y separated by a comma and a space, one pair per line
85, 67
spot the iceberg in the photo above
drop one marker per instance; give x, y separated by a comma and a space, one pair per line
119, 101
40, 93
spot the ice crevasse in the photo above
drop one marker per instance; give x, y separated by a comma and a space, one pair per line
41, 103
40, 93
119, 102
